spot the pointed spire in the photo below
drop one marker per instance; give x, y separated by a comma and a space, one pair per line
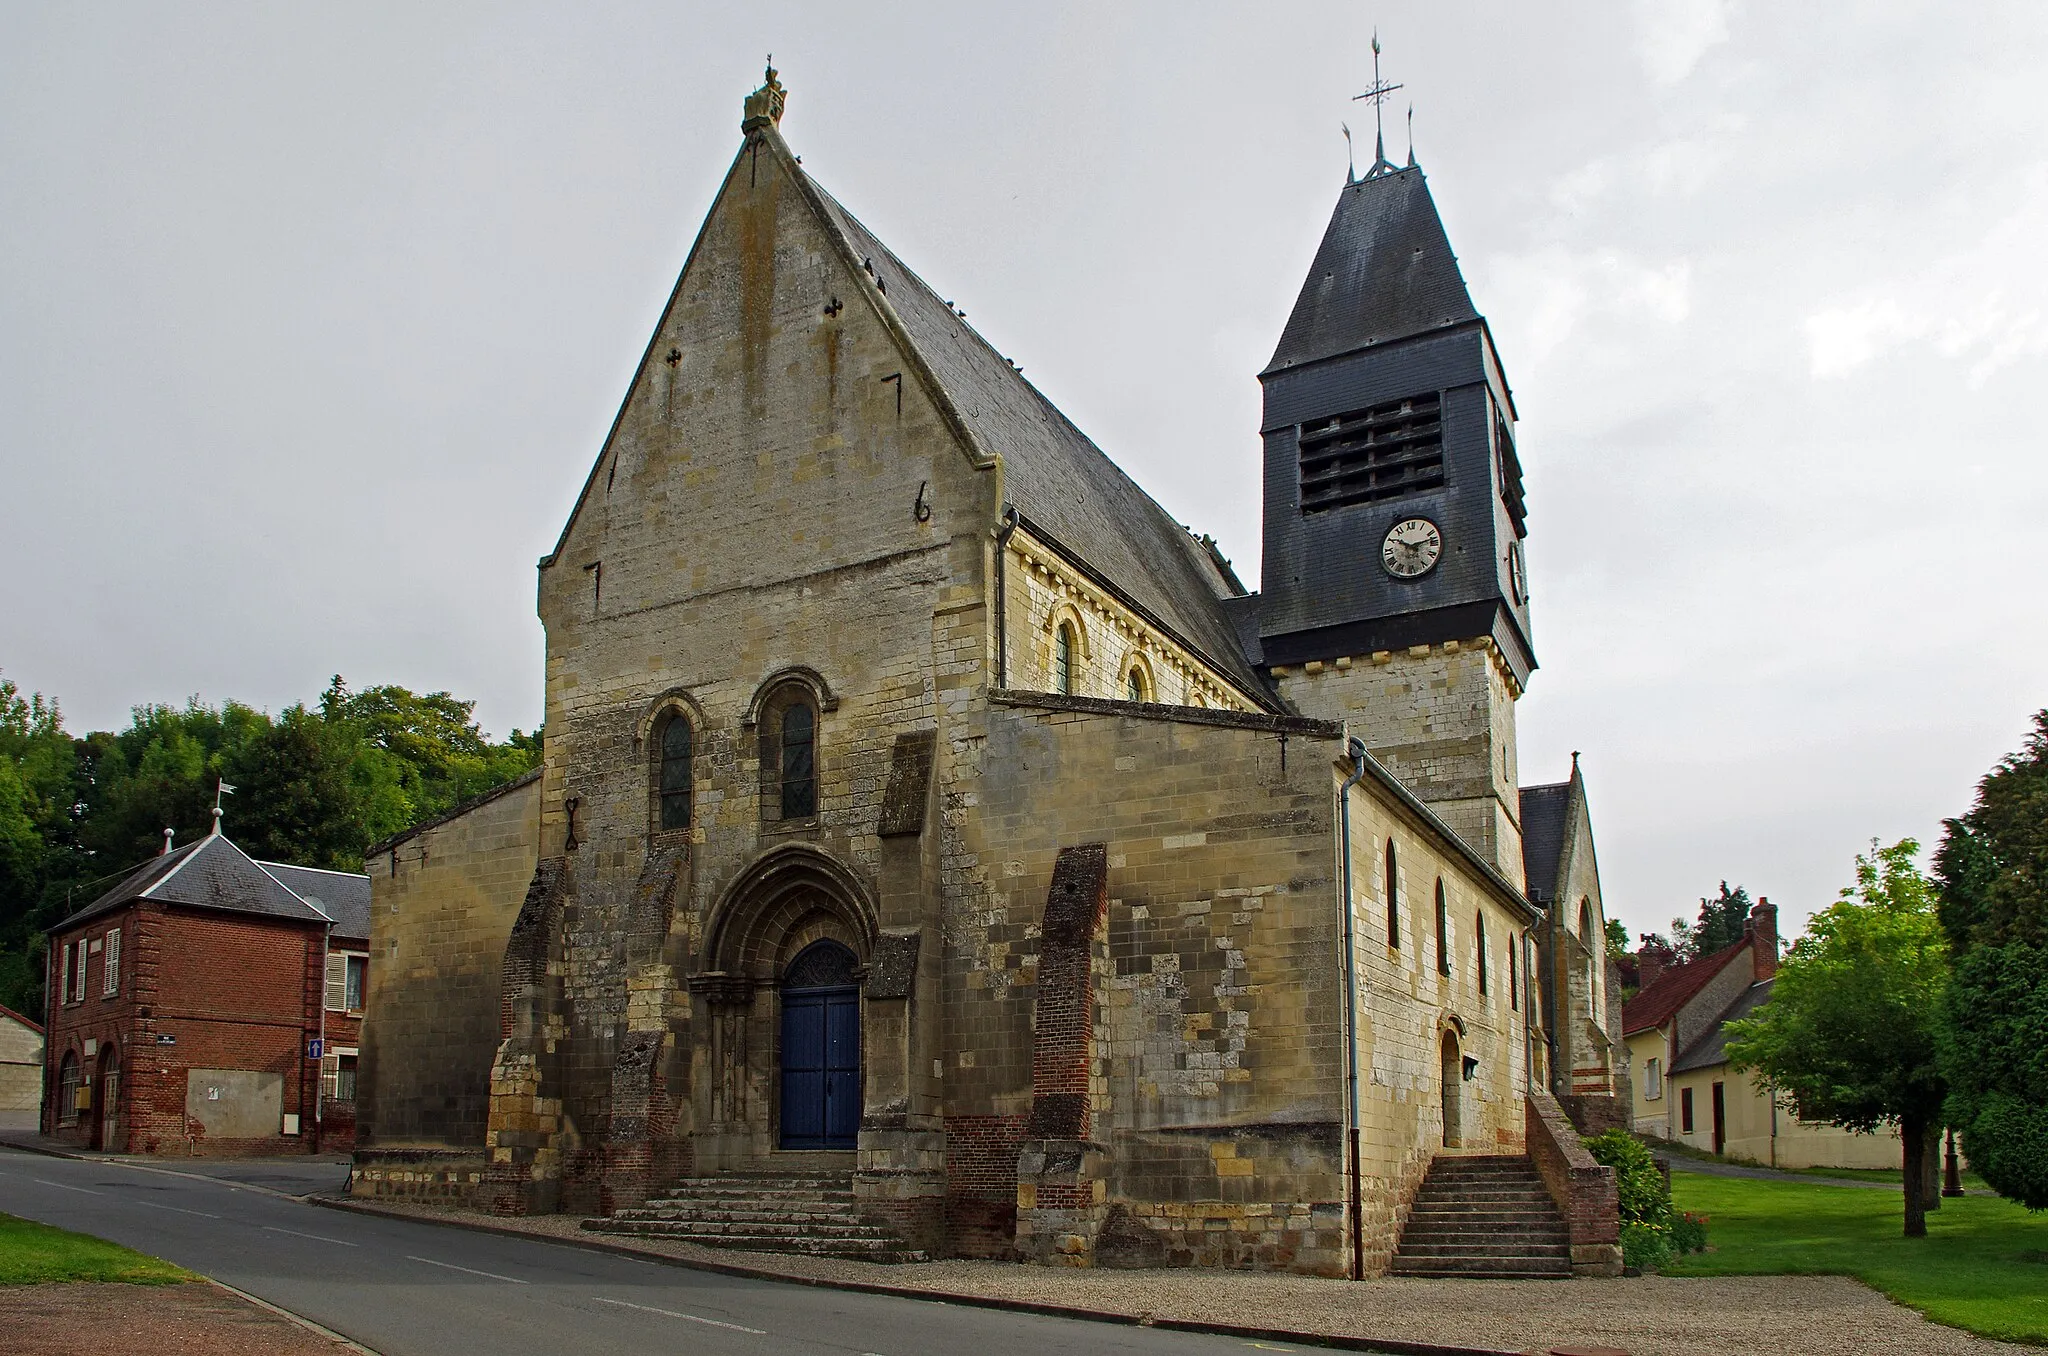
1377, 97
1411, 136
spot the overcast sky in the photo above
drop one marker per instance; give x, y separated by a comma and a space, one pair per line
312, 320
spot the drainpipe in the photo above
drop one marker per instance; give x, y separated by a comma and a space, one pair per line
319, 1076
1356, 749
1009, 525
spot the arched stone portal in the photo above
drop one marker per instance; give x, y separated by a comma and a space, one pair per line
781, 1045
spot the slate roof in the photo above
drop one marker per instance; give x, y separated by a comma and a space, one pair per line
1654, 1005
1384, 271
342, 895
1063, 486
1712, 1048
1543, 825
210, 874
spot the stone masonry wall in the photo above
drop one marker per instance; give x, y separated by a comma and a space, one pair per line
442, 905
1043, 590
1441, 719
1407, 1005
1215, 1098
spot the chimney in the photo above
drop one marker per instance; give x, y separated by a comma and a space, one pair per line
1763, 938
1651, 962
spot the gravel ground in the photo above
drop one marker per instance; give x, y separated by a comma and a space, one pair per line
169, 1320
1647, 1316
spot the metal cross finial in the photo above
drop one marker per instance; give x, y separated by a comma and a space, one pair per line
1377, 97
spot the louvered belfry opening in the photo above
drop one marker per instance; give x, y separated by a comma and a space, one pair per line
1383, 452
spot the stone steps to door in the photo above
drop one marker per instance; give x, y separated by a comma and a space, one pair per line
1484, 1217
813, 1217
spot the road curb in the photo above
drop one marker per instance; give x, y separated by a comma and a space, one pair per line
1328, 1341
299, 1319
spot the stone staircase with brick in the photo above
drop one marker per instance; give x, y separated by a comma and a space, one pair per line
813, 1216
1484, 1216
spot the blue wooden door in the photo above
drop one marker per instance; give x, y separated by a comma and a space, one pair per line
821, 1093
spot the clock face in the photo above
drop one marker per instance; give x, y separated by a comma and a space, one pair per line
1412, 548
1518, 573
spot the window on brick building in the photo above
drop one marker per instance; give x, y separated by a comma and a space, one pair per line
1443, 931
1479, 933
673, 778
1685, 1111
78, 974
110, 965
67, 1090
338, 1076
64, 976
348, 975
1393, 903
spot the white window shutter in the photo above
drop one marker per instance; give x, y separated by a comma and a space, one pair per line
78, 975
110, 964
337, 982
64, 976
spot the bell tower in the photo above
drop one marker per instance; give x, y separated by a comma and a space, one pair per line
1394, 594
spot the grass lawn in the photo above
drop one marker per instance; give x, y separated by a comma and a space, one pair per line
31, 1253
1972, 1271
1890, 1176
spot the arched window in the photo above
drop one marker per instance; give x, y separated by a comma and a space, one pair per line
673, 777
799, 762
1196, 699
67, 1089
1514, 985
789, 754
1393, 904
1063, 660
1479, 936
1134, 686
1586, 921
1443, 931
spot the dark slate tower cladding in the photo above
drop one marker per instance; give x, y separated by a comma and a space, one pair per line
1384, 404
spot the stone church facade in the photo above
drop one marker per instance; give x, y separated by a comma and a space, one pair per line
924, 809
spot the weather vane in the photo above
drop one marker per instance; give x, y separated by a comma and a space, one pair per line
1377, 97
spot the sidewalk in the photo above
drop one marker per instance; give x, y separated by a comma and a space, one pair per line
92, 1319
1646, 1316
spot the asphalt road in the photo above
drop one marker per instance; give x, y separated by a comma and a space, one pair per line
408, 1289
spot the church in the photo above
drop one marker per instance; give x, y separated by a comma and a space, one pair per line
939, 852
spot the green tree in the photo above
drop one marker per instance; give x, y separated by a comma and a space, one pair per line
416, 756
1617, 940
1992, 875
1850, 1031
40, 789
295, 799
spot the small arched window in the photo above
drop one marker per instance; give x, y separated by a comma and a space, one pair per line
1586, 921
673, 777
1134, 686
1514, 985
799, 762
1393, 904
1196, 699
1443, 931
789, 754
1479, 937
1063, 660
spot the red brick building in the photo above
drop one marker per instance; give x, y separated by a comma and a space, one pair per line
209, 1003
